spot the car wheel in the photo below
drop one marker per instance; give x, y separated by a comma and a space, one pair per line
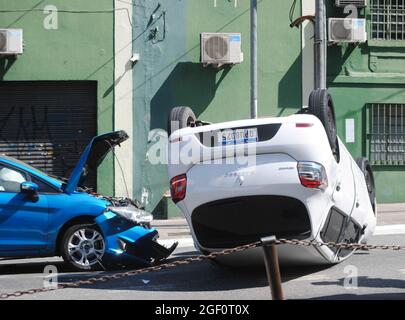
83, 247
365, 167
182, 117
321, 106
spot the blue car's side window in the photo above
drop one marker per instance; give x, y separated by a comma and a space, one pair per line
11, 179
44, 187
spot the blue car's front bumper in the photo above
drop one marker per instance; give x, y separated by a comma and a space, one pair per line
129, 244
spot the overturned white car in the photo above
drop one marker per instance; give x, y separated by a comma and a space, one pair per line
291, 177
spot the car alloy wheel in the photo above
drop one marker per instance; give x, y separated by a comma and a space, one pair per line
86, 247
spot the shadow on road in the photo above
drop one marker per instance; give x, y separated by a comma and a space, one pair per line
200, 276
375, 296
12, 268
367, 282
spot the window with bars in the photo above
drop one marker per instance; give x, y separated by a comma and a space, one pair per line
387, 134
387, 19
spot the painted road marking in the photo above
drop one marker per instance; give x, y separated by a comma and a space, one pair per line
183, 242
390, 229
313, 277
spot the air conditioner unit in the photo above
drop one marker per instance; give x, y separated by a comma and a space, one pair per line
347, 30
218, 49
356, 3
11, 41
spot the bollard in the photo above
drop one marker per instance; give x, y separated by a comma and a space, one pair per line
272, 267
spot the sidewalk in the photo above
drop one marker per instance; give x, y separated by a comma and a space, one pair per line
172, 228
388, 214
391, 213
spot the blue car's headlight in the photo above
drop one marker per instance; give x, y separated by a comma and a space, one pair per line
132, 213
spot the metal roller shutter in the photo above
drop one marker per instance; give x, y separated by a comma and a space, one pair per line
48, 123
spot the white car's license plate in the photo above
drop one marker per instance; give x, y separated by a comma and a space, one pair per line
237, 136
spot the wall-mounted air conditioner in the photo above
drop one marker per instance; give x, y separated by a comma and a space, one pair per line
347, 30
218, 49
11, 41
356, 3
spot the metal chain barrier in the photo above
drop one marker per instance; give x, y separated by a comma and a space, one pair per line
341, 245
211, 256
131, 273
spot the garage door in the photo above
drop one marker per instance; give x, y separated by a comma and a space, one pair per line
48, 123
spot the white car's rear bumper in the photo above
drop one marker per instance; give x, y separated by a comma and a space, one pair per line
231, 204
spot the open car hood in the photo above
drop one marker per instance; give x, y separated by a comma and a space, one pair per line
93, 156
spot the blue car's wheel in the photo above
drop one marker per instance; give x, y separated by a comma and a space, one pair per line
83, 247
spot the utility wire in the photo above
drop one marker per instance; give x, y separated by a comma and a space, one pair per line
44, 10
119, 164
292, 11
297, 22
62, 10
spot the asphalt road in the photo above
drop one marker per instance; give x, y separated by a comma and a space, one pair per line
381, 275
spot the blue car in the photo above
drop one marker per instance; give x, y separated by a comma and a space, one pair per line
42, 216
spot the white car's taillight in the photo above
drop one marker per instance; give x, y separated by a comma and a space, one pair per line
178, 187
312, 175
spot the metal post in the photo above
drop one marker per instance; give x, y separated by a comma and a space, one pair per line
272, 267
253, 59
320, 45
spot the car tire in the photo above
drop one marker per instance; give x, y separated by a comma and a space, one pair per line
83, 247
184, 116
365, 167
321, 105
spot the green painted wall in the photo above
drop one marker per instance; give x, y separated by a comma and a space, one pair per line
169, 73
82, 48
373, 72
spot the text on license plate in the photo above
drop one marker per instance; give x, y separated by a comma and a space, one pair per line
237, 136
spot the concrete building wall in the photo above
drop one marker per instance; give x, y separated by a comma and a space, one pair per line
359, 75
123, 108
308, 65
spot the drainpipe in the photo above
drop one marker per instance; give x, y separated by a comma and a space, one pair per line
253, 59
320, 45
